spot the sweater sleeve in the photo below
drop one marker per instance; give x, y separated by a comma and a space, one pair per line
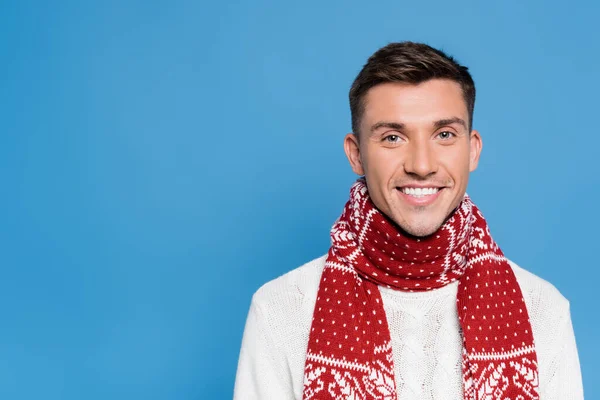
261, 366
564, 373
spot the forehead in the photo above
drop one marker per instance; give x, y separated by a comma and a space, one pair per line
425, 102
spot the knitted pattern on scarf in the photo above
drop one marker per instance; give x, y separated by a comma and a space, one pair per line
349, 350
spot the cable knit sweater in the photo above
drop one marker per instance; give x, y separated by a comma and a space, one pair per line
425, 333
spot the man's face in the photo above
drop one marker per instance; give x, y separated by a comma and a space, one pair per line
416, 152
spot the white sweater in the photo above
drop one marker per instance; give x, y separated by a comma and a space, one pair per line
425, 337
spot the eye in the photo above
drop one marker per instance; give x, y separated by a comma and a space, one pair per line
392, 139
445, 135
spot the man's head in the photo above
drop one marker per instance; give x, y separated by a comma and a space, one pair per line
412, 112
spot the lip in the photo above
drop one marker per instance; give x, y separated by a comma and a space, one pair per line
421, 201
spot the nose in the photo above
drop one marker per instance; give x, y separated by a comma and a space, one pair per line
420, 159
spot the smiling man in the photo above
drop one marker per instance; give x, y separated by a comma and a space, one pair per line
414, 300
414, 146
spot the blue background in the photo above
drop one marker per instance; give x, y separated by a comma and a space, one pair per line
159, 161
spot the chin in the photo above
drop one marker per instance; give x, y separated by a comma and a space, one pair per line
414, 221
418, 231
419, 228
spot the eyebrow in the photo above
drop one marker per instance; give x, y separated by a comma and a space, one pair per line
398, 126
450, 121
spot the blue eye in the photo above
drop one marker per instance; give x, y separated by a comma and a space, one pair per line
392, 138
445, 135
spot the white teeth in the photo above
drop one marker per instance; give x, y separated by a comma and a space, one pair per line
420, 192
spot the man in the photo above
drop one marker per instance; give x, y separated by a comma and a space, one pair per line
414, 299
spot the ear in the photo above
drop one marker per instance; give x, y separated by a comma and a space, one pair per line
352, 149
476, 144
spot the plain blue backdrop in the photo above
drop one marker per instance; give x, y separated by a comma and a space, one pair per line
160, 161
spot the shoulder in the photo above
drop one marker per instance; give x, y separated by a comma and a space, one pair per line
292, 291
545, 304
533, 285
284, 307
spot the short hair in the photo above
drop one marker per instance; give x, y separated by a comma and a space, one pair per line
408, 62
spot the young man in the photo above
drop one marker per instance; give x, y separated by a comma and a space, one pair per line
414, 299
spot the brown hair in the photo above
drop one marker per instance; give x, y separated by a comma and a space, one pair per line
408, 62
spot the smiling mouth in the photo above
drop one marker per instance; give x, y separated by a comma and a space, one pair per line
419, 193
419, 196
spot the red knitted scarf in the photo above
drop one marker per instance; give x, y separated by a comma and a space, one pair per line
349, 349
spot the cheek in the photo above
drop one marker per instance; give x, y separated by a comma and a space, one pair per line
382, 163
456, 162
